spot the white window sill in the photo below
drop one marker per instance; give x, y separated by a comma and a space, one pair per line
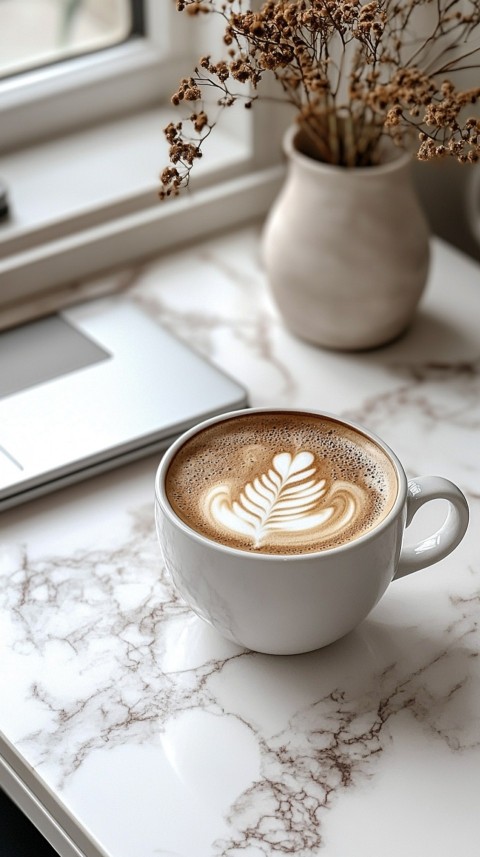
87, 201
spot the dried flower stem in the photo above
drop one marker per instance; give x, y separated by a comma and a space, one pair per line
352, 73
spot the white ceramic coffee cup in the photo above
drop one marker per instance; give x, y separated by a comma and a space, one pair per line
296, 603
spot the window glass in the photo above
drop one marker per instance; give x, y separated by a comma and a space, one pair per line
34, 33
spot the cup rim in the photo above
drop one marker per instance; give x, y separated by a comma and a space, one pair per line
162, 500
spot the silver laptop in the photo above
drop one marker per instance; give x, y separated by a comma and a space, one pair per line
93, 387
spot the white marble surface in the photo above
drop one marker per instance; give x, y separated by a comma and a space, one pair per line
159, 737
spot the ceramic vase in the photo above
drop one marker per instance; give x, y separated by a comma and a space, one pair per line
346, 250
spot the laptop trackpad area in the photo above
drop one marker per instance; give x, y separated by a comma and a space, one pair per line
43, 350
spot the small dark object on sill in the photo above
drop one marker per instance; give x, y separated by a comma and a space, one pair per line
4, 206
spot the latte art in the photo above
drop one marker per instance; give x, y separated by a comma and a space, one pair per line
285, 500
281, 482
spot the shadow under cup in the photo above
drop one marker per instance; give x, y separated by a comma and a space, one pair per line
289, 603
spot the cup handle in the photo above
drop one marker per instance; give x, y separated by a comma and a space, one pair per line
437, 546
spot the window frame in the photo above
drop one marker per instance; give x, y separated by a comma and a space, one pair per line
69, 94
42, 267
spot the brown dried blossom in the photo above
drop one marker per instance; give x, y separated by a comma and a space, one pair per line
353, 73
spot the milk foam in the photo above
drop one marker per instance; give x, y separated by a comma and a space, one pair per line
281, 483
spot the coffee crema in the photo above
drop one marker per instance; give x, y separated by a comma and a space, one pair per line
281, 483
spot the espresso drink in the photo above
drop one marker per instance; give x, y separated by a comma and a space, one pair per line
281, 483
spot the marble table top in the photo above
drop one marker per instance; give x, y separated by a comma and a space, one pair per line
141, 731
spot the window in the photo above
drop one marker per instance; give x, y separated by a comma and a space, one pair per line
35, 33
93, 86
81, 147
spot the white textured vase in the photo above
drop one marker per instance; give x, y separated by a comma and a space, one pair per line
346, 250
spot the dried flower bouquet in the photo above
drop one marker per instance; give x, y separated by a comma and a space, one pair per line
353, 73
